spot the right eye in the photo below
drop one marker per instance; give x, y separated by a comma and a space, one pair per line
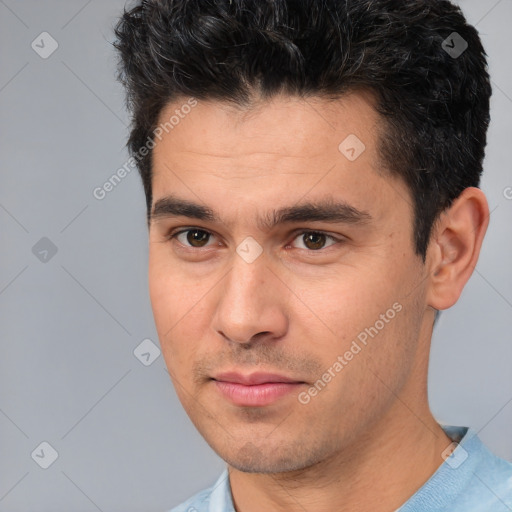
195, 237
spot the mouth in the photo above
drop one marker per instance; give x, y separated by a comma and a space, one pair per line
256, 389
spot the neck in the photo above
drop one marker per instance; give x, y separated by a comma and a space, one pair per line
385, 466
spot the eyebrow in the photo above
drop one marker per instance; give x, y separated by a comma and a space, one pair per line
325, 210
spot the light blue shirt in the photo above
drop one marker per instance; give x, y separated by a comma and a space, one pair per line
471, 479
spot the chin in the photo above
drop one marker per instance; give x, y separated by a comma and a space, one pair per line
250, 458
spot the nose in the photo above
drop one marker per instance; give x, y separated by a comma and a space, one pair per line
252, 303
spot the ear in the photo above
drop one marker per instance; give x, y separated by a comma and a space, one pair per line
455, 246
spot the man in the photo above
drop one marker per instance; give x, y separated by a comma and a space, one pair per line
311, 172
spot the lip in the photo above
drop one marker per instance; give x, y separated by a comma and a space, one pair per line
255, 390
253, 378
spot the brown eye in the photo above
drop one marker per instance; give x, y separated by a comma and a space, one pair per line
197, 237
194, 237
314, 240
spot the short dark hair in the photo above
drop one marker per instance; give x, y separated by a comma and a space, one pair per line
433, 104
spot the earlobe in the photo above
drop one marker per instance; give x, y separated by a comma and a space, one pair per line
455, 246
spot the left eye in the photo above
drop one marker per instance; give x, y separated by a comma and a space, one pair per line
197, 238
313, 239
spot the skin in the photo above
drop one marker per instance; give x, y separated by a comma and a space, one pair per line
367, 440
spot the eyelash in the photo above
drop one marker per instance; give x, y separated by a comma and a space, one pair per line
175, 234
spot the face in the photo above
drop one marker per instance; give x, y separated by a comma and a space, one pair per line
289, 302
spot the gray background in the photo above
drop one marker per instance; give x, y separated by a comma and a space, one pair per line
70, 323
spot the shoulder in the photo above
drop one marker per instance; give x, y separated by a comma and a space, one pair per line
493, 476
489, 486
197, 503
471, 479
213, 499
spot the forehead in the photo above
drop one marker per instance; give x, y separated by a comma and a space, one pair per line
281, 152
288, 125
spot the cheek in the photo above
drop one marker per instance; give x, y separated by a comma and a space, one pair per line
371, 323
167, 295
349, 302
180, 310
162, 296
389, 346
169, 292
370, 375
